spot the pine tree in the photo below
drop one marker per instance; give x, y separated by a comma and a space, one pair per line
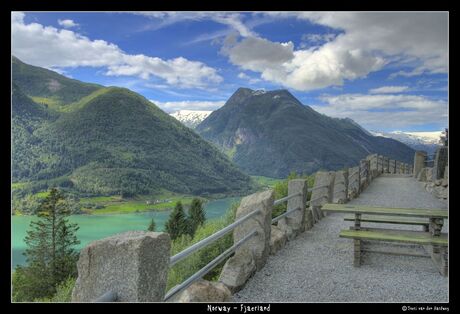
50, 254
197, 216
177, 222
152, 225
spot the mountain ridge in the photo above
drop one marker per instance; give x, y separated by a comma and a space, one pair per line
273, 133
112, 141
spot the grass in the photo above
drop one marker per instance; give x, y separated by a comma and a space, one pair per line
266, 181
117, 205
42, 194
18, 185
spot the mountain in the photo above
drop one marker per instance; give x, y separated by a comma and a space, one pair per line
48, 87
108, 140
426, 141
271, 134
191, 118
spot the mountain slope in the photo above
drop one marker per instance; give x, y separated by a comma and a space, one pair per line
116, 141
272, 134
49, 87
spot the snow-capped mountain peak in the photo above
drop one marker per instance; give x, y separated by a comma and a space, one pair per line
427, 141
191, 118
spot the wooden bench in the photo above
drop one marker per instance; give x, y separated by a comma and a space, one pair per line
435, 246
392, 220
434, 242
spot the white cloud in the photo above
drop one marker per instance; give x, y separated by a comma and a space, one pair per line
172, 106
233, 20
388, 89
422, 35
67, 23
368, 41
318, 38
385, 111
53, 48
246, 77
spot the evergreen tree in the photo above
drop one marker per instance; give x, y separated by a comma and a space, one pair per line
197, 216
50, 254
177, 222
152, 225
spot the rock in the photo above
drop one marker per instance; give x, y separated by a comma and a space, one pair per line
429, 186
445, 180
237, 270
438, 182
440, 192
419, 162
365, 177
258, 245
205, 291
322, 195
353, 182
373, 168
278, 239
294, 223
422, 174
440, 162
340, 191
392, 166
132, 264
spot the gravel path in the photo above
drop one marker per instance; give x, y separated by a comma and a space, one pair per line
318, 265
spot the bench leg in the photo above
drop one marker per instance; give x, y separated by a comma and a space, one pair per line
357, 253
444, 265
439, 255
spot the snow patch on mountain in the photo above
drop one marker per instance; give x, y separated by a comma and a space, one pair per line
427, 141
191, 118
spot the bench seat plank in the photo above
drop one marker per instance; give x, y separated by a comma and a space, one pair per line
374, 210
390, 220
422, 238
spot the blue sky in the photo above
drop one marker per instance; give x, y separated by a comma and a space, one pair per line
387, 71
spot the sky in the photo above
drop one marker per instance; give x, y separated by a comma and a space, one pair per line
387, 71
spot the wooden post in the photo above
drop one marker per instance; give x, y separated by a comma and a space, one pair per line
357, 243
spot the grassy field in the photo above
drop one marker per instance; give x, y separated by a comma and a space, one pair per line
266, 181
115, 204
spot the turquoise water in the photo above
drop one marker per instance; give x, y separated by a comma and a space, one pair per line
95, 227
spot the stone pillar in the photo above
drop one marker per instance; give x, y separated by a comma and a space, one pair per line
440, 163
392, 166
353, 182
373, 169
419, 162
364, 168
253, 254
386, 165
134, 265
401, 168
340, 192
323, 195
381, 163
295, 223
397, 167
422, 174
259, 245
